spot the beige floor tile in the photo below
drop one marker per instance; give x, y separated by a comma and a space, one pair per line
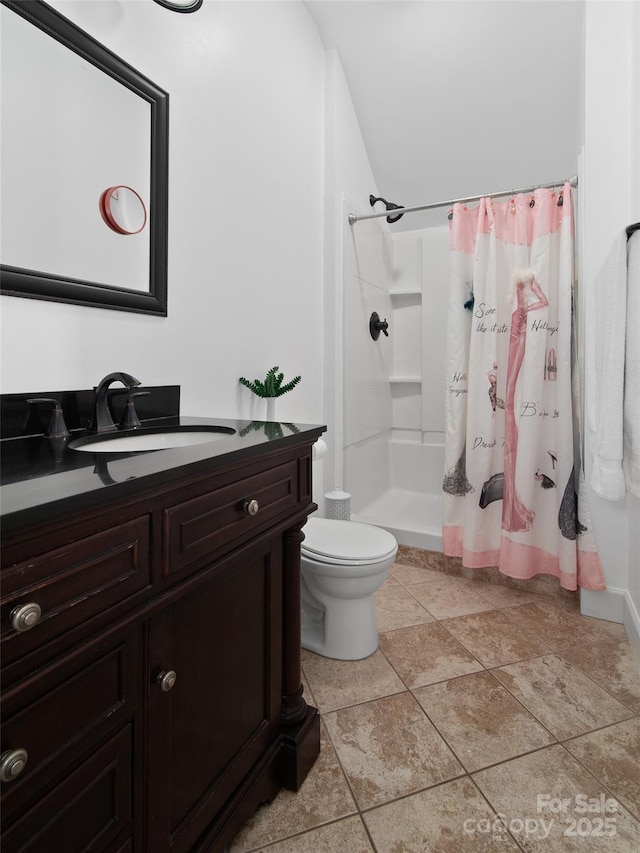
560, 626
494, 638
388, 748
530, 789
612, 665
549, 587
610, 630
560, 696
396, 608
409, 575
428, 559
339, 683
345, 836
450, 818
307, 692
481, 721
323, 797
613, 755
508, 596
405, 770
445, 597
425, 654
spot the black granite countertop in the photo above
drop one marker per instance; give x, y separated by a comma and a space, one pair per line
44, 478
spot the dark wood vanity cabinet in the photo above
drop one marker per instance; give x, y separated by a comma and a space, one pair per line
158, 695
223, 640
77, 720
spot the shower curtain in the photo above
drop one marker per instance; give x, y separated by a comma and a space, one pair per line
512, 472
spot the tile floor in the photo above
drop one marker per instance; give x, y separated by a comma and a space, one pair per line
490, 718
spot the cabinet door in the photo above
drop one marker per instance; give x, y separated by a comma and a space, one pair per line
212, 729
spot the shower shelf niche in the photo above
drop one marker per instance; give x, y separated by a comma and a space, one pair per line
406, 292
405, 380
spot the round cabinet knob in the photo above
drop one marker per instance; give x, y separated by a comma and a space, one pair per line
166, 680
251, 507
25, 617
12, 763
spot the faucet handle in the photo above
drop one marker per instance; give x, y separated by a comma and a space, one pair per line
57, 426
130, 419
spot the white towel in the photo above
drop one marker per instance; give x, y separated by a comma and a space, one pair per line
606, 352
631, 445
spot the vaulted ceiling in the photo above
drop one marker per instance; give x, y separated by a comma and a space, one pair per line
460, 97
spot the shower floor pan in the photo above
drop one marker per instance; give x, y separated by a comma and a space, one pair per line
414, 518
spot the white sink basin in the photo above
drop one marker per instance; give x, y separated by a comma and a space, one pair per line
160, 440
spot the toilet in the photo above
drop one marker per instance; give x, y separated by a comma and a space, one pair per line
343, 563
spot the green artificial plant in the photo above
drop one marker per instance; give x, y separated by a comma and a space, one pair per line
272, 385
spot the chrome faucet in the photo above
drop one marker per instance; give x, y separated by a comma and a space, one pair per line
101, 420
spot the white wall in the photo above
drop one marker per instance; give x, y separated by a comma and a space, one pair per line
407, 375
610, 200
367, 363
349, 182
632, 612
246, 179
419, 288
431, 81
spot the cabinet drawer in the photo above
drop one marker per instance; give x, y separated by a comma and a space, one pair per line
208, 525
73, 583
91, 809
63, 710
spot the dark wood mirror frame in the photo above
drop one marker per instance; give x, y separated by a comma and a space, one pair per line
37, 284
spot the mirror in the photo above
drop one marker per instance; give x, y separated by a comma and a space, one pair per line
123, 210
81, 129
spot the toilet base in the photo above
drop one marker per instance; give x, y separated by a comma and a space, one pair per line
347, 630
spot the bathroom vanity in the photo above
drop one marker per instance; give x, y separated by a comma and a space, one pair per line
151, 639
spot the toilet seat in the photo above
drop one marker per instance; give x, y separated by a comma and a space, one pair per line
346, 543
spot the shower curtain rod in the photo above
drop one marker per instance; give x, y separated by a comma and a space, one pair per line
400, 211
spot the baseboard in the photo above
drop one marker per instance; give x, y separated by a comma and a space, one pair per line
614, 605
632, 626
604, 604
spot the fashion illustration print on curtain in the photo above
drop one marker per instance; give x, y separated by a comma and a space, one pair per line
528, 297
509, 487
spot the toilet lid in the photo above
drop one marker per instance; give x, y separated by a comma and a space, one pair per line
327, 539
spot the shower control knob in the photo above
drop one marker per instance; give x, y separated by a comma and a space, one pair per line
251, 507
12, 763
166, 680
376, 325
25, 617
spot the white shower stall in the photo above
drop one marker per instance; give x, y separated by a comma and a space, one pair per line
394, 388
